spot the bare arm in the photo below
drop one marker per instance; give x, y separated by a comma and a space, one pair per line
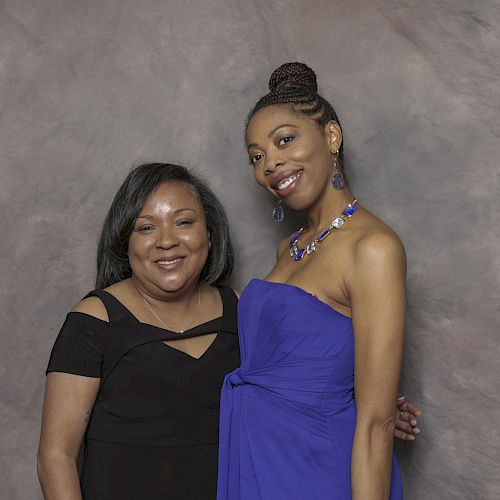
377, 290
68, 403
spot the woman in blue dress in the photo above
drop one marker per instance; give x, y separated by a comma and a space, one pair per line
310, 412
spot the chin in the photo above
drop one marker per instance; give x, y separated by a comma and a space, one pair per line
172, 285
299, 203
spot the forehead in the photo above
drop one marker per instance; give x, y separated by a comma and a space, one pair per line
175, 194
267, 119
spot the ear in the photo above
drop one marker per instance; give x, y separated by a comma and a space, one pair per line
333, 134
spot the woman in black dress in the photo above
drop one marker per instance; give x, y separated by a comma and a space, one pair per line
137, 368
138, 365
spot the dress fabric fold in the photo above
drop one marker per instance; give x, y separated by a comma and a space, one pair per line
288, 413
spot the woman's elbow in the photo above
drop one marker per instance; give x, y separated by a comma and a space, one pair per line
48, 461
378, 430
44, 463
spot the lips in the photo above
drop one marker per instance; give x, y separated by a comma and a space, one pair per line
169, 262
280, 177
284, 182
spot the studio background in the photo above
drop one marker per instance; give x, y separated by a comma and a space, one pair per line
88, 89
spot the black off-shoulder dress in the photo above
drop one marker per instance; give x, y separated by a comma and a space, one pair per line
153, 432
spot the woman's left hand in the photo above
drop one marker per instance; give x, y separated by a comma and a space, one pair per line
406, 420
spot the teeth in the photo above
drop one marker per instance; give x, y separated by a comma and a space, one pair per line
169, 261
286, 182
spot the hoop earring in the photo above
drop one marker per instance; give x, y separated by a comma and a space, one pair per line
278, 212
338, 181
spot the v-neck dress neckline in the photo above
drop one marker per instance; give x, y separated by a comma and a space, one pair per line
156, 416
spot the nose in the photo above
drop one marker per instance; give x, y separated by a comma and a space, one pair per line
167, 237
273, 161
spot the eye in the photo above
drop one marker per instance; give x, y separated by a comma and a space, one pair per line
146, 228
185, 222
254, 159
286, 140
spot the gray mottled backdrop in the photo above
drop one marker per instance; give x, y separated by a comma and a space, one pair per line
87, 88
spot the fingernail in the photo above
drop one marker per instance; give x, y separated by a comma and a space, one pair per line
401, 398
413, 422
412, 438
416, 431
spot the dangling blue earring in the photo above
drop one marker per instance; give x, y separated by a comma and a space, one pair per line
338, 181
278, 212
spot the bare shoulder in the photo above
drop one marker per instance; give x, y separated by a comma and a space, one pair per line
377, 244
92, 306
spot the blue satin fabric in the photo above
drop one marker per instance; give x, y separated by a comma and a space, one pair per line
288, 413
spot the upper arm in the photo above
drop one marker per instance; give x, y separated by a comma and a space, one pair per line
92, 306
67, 406
377, 291
73, 379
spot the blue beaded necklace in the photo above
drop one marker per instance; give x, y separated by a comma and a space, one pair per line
298, 253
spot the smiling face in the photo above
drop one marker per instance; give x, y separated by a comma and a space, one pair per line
168, 247
291, 154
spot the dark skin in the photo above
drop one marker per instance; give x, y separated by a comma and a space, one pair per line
170, 226
359, 271
167, 250
406, 425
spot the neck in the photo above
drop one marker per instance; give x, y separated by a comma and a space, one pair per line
183, 298
327, 207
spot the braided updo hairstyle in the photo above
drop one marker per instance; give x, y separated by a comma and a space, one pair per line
295, 83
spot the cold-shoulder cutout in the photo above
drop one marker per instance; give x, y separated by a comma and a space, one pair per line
92, 306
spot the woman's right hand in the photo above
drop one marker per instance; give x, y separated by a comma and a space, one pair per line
68, 403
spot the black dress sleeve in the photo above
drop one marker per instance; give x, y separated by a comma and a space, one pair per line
79, 347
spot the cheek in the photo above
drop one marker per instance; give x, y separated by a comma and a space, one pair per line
311, 151
302, 153
259, 176
197, 242
138, 247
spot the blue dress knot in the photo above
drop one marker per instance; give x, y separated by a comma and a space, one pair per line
235, 379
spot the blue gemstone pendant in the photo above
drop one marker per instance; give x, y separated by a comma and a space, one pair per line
350, 210
338, 181
294, 239
299, 254
278, 212
324, 234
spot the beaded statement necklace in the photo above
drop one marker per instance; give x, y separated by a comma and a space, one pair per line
298, 253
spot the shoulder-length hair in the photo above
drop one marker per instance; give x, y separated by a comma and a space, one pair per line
112, 260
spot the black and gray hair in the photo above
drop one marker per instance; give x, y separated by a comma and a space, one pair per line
295, 83
112, 260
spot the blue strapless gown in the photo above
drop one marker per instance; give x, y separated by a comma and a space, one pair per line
288, 414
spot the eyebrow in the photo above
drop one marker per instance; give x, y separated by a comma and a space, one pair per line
178, 211
273, 131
